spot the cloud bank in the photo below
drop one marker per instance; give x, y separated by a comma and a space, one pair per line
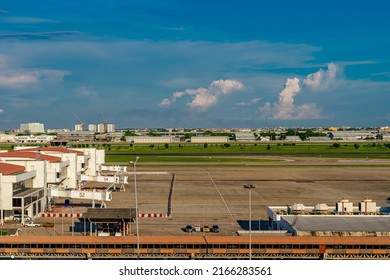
203, 98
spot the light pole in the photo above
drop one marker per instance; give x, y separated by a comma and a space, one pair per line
250, 187
136, 203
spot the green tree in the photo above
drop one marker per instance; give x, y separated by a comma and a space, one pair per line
336, 145
268, 147
166, 146
356, 146
205, 145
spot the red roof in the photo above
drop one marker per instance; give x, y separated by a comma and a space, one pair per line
56, 149
8, 169
23, 154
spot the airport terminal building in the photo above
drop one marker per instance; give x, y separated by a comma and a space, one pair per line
28, 175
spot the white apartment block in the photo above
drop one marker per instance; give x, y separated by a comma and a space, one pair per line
32, 127
78, 127
110, 127
92, 127
101, 128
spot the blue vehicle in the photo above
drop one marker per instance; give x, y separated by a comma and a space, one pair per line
188, 228
214, 228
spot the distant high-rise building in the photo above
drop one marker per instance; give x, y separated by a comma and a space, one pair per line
110, 127
32, 127
101, 128
78, 127
92, 127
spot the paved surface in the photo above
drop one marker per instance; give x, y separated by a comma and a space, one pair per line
215, 194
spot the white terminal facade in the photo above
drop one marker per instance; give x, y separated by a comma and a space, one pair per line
28, 175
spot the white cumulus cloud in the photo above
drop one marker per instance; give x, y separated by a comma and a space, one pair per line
1, 110
165, 102
286, 109
321, 79
20, 79
251, 102
87, 92
23, 78
203, 98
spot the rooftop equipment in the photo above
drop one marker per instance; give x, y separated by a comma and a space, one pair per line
367, 206
321, 208
298, 208
344, 206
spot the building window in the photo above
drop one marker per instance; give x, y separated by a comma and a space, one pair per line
16, 202
18, 188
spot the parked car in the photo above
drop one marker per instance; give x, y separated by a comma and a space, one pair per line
188, 228
48, 224
206, 228
32, 224
214, 228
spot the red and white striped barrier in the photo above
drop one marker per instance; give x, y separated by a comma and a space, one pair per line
61, 215
79, 215
152, 216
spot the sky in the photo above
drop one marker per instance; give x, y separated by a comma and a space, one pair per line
194, 64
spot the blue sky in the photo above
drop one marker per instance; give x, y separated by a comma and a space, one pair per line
195, 63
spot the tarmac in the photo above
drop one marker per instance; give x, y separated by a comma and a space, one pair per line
209, 194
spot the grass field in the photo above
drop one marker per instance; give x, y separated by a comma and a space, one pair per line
363, 150
228, 152
188, 159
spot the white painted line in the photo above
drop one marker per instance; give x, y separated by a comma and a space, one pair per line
230, 213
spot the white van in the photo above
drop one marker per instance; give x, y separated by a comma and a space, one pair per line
18, 218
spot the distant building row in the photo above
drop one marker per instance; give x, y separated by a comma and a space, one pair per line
90, 136
100, 128
39, 127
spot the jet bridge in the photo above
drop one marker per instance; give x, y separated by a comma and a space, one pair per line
93, 195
